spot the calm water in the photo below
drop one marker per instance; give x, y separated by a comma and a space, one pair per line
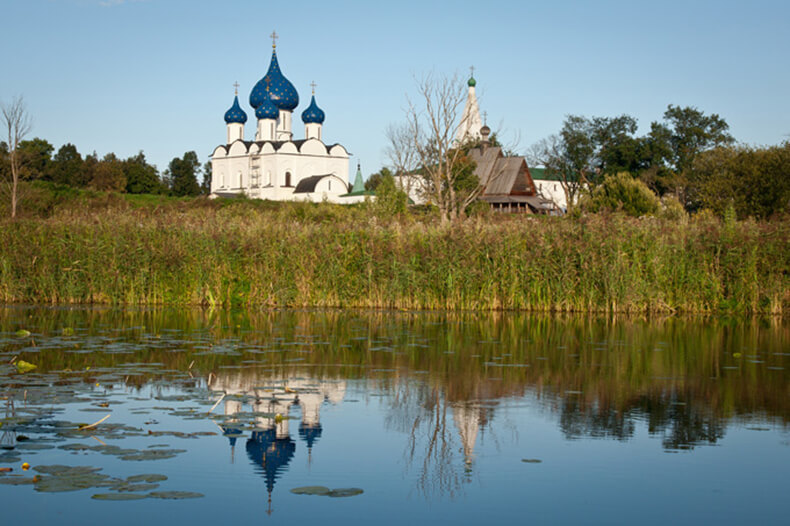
466, 419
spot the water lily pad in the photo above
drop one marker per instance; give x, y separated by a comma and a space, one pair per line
345, 492
126, 487
147, 477
25, 367
531, 460
22, 333
311, 490
118, 496
58, 484
153, 454
66, 471
17, 481
175, 495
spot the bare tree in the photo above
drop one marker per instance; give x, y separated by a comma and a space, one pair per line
552, 154
17, 122
425, 146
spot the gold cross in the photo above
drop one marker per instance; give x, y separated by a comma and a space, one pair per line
236, 85
472, 69
274, 38
313, 85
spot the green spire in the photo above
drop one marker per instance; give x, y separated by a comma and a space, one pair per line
359, 185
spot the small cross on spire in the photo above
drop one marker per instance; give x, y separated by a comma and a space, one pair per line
313, 85
485, 118
236, 86
472, 70
274, 38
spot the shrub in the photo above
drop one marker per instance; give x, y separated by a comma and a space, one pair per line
622, 192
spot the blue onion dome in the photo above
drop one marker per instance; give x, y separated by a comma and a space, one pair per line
313, 114
235, 113
281, 91
267, 110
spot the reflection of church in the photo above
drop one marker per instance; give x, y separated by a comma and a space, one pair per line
270, 446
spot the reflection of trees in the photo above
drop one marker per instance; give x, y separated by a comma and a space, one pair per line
621, 371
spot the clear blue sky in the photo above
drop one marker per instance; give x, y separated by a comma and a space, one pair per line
157, 75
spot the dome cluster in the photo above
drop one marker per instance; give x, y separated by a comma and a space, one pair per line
271, 94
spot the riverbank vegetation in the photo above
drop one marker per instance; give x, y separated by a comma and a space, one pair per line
76, 246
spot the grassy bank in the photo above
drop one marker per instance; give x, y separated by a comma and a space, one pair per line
104, 248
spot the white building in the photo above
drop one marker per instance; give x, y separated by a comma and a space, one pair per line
274, 165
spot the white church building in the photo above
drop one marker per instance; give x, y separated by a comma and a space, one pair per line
275, 165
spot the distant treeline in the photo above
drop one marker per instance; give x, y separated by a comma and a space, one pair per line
116, 249
689, 157
134, 175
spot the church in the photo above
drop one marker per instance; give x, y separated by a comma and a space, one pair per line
275, 165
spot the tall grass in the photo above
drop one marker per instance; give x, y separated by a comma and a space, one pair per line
115, 251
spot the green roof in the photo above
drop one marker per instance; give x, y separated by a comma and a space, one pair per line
359, 184
542, 174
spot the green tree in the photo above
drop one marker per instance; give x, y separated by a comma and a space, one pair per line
183, 175
36, 156
753, 181
141, 177
205, 187
108, 174
375, 179
389, 200
692, 132
67, 167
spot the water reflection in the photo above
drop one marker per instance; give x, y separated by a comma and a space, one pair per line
270, 446
444, 376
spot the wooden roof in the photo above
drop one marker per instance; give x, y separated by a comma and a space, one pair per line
500, 175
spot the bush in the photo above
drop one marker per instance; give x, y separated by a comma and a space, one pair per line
622, 193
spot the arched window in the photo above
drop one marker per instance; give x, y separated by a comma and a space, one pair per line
240, 185
287, 179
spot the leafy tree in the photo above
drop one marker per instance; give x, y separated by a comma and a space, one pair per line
141, 177
205, 187
183, 175
390, 200
36, 156
621, 192
753, 181
375, 179
691, 132
67, 167
108, 174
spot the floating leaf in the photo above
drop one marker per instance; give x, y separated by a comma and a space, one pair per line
311, 490
57, 484
118, 496
531, 460
147, 477
60, 470
176, 495
22, 333
153, 454
345, 492
17, 481
25, 367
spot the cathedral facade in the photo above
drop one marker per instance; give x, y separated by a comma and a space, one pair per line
275, 165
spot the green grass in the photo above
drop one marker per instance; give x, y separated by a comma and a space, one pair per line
116, 249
